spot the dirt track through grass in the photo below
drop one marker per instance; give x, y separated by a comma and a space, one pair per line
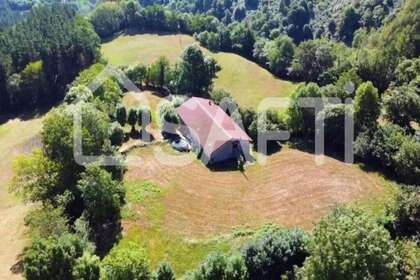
248, 82
291, 190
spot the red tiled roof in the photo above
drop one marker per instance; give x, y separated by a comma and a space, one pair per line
210, 124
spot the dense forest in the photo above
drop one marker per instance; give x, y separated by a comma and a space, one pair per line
367, 50
41, 55
298, 19
12, 11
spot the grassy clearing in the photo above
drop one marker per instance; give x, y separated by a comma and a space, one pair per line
145, 48
181, 214
248, 82
16, 137
4, 130
290, 190
377, 205
143, 219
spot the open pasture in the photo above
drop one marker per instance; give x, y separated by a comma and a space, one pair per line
245, 80
17, 137
290, 190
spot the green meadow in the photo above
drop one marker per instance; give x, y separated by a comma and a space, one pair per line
248, 82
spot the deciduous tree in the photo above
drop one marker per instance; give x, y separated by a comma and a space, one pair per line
87, 267
107, 18
128, 262
196, 72
366, 106
53, 258
102, 199
165, 272
274, 255
348, 244
279, 54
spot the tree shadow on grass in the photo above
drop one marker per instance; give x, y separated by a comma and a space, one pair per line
106, 236
368, 166
25, 115
272, 148
143, 135
308, 146
224, 166
373, 167
17, 268
137, 31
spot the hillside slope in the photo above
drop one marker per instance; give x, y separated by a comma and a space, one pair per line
16, 137
247, 82
401, 35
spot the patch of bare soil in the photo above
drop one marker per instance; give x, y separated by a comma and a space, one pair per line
290, 190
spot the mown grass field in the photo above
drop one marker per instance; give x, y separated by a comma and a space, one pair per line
17, 137
144, 224
246, 81
182, 213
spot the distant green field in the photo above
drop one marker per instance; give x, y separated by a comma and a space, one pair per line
246, 81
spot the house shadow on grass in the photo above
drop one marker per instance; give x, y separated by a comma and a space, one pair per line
228, 166
224, 166
272, 148
234, 165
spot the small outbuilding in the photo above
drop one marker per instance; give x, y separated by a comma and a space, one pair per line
211, 132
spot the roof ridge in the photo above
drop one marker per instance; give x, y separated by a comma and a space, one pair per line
212, 125
214, 119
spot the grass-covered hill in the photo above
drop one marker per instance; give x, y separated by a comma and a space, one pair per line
248, 82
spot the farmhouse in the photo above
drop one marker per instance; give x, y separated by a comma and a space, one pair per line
212, 132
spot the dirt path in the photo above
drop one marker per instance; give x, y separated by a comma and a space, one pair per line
16, 137
291, 190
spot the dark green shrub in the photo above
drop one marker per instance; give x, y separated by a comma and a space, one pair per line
165, 272
128, 262
276, 254
53, 258
117, 135
121, 115
87, 267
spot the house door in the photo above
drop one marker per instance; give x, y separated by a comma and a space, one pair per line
236, 150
